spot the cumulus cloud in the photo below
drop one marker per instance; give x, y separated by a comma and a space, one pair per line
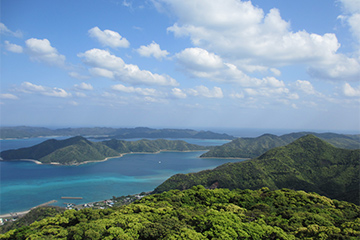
305, 86
244, 35
350, 91
4, 30
42, 51
203, 91
107, 65
198, 59
109, 38
84, 86
351, 15
153, 49
140, 91
234, 28
8, 96
275, 92
337, 67
28, 87
178, 93
202, 64
13, 47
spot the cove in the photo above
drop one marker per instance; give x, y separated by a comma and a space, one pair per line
24, 185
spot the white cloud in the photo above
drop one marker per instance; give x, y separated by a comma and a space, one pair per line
237, 95
242, 34
42, 51
337, 67
178, 93
101, 72
275, 71
111, 66
8, 96
13, 47
351, 6
350, 91
351, 9
28, 87
109, 38
140, 91
198, 60
4, 30
84, 86
305, 86
237, 28
80, 94
203, 91
78, 75
203, 64
267, 92
154, 50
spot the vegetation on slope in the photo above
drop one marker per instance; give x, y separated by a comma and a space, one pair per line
308, 163
35, 214
254, 147
78, 149
199, 213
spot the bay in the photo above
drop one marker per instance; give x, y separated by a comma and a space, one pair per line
24, 185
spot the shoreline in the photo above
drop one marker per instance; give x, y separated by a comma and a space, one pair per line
21, 213
94, 161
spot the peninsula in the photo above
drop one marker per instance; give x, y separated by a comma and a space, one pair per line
79, 150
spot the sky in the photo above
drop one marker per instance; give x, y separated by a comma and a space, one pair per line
273, 64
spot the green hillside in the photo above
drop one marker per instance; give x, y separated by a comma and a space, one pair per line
308, 163
199, 213
76, 150
146, 145
254, 147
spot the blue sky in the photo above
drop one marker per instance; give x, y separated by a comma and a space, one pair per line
181, 63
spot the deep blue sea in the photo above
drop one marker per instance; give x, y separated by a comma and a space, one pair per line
24, 185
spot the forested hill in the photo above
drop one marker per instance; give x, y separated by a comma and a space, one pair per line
76, 150
254, 147
199, 213
308, 163
117, 133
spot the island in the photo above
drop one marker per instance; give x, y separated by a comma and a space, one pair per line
79, 150
254, 147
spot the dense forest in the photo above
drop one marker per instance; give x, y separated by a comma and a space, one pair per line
77, 150
200, 213
308, 163
254, 147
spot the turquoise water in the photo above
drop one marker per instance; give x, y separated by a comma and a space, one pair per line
25, 184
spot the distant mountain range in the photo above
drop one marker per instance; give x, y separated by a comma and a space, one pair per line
118, 133
308, 163
78, 149
254, 147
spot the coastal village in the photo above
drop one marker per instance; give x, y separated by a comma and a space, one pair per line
109, 203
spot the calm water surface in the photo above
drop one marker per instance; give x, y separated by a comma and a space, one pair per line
25, 184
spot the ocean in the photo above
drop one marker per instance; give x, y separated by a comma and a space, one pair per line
24, 185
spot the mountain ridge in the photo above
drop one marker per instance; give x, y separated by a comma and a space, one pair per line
254, 147
308, 163
106, 132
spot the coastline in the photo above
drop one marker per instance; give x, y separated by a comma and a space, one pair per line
95, 161
21, 213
